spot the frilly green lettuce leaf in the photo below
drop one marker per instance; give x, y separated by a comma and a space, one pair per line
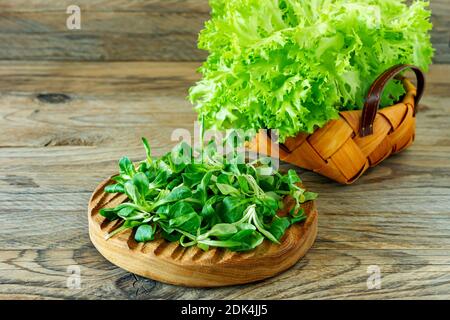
292, 65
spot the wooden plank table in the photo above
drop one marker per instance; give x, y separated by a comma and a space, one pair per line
63, 125
124, 30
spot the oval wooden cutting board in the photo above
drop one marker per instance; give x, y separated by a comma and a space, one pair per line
171, 263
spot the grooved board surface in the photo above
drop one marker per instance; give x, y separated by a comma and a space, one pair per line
169, 262
63, 126
138, 30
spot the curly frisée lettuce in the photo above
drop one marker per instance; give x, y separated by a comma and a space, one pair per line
292, 65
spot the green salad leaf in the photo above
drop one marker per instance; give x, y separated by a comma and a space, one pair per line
292, 65
214, 200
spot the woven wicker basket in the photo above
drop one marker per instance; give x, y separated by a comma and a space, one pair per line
345, 148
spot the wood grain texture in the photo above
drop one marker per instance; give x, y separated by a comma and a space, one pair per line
130, 30
171, 263
110, 30
57, 142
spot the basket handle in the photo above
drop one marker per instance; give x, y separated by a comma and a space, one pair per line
373, 98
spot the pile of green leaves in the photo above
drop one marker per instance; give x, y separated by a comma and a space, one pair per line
210, 200
292, 65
